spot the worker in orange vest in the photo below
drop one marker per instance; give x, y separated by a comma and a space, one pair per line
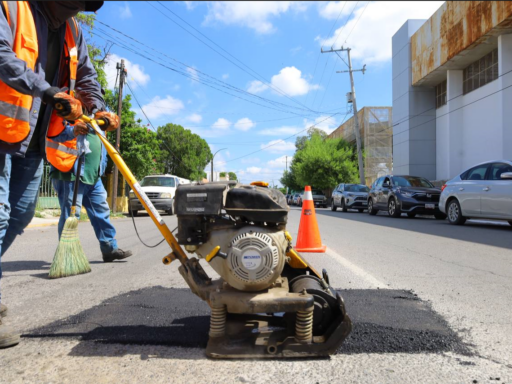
43, 61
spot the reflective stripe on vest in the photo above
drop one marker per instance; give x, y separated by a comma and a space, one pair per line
15, 107
63, 155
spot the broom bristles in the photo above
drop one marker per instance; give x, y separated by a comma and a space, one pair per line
69, 259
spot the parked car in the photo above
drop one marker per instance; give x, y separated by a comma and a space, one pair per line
350, 196
404, 194
484, 191
319, 198
160, 189
296, 199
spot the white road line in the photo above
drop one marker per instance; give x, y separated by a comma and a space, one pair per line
359, 272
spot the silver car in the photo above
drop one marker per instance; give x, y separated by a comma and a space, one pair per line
350, 196
484, 191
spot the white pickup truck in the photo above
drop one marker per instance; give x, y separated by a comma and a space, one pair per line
160, 189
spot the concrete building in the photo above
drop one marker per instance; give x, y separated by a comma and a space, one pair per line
452, 89
375, 125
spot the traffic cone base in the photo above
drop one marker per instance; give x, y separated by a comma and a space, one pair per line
308, 239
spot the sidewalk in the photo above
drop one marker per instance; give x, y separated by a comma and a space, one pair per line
39, 222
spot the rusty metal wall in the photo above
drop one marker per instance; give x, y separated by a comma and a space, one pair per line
455, 27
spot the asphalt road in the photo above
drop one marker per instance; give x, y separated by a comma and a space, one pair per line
430, 303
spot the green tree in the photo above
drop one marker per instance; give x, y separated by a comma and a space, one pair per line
300, 141
222, 174
232, 176
324, 163
288, 180
183, 153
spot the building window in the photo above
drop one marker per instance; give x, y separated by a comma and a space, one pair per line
441, 94
481, 72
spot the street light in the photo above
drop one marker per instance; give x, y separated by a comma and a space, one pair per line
211, 176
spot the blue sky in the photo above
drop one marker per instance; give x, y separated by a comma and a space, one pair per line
267, 53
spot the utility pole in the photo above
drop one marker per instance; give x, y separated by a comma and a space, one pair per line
211, 175
356, 118
122, 74
286, 172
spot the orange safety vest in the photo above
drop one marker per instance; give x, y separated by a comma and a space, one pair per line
15, 107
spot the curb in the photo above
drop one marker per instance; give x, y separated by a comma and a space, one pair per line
41, 225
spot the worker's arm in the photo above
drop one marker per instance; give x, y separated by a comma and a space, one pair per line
87, 85
13, 71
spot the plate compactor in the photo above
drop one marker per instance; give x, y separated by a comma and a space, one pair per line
268, 302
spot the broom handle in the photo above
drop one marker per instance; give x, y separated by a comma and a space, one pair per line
139, 192
77, 185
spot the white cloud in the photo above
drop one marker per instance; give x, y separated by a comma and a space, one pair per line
244, 124
191, 4
369, 41
326, 123
330, 10
252, 14
195, 118
194, 75
256, 86
278, 146
222, 123
280, 162
135, 71
281, 131
159, 107
295, 50
253, 170
225, 76
125, 11
289, 80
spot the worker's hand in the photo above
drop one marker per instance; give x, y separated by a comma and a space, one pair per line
66, 105
111, 120
80, 128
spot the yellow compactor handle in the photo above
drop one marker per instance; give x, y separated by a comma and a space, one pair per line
178, 252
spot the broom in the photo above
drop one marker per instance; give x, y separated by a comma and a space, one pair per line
69, 257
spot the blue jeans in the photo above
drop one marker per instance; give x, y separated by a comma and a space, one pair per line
94, 199
19, 187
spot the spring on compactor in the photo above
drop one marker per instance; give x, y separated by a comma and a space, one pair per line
218, 321
304, 325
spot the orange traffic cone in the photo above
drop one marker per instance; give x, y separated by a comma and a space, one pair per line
308, 239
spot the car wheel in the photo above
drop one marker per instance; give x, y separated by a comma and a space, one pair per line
343, 206
393, 208
134, 213
412, 215
510, 222
440, 216
371, 211
169, 212
333, 207
361, 210
454, 213
300, 204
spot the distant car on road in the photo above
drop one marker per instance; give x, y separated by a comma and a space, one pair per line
404, 194
319, 198
484, 191
350, 196
296, 199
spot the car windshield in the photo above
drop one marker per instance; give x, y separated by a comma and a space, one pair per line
158, 182
356, 188
317, 192
411, 181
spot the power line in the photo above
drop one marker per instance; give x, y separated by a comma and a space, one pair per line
208, 83
344, 25
357, 21
258, 76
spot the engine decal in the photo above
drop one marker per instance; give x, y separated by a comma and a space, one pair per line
250, 260
197, 197
148, 202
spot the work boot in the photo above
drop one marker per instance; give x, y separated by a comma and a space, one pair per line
118, 254
8, 337
3, 310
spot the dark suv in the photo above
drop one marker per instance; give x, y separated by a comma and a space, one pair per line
404, 194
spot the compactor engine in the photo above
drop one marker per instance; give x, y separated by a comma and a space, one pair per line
268, 301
